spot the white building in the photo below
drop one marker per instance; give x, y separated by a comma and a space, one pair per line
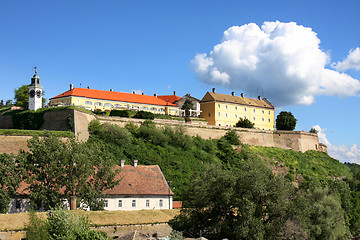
35, 93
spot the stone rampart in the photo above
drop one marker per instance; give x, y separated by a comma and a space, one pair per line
12, 144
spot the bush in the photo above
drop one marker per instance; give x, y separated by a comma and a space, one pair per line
313, 130
232, 137
245, 123
98, 112
144, 115
121, 113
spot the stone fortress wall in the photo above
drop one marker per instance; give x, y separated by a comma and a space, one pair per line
295, 140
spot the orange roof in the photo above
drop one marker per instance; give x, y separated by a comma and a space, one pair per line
177, 204
140, 180
114, 96
170, 98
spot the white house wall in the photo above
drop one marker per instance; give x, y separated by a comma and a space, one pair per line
154, 202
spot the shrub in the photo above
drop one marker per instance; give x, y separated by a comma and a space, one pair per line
232, 137
313, 130
121, 113
98, 112
245, 123
94, 127
144, 115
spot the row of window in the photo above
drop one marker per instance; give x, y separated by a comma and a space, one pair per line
134, 107
133, 203
245, 117
245, 109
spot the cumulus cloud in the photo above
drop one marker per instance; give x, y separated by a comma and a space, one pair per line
342, 152
282, 60
351, 61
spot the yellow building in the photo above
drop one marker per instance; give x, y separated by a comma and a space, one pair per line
93, 99
226, 110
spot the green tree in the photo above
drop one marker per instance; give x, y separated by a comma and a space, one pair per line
313, 130
245, 123
2, 103
285, 121
245, 203
22, 96
10, 177
60, 169
188, 104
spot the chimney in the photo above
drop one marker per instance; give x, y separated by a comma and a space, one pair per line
213, 90
133, 92
259, 97
122, 163
71, 86
142, 93
174, 93
88, 87
233, 93
242, 95
135, 163
155, 94
111, 90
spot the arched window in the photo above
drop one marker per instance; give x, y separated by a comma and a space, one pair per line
98, 104
88, 103
107, 105
153, 109
145, 108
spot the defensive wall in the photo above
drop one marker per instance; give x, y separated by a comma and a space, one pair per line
56, 120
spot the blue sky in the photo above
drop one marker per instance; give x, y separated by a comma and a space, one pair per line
152, 46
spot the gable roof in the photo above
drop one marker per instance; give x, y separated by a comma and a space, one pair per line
140, 180
170, 98
114, 96
219, 97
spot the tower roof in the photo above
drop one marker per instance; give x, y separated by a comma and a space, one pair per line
35, 81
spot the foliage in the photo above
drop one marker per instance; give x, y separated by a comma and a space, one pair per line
245, 123
144, 115
30, 120
10, 177
22, 96
98, 112
94, 127
61, 169
187, 106
122, 113
232, 137
62, 225
70, 122
285, 121
313, 130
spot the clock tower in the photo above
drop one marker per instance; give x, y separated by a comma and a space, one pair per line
35, 93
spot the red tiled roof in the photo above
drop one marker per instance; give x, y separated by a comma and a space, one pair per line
170, 98
114, 96
140, 180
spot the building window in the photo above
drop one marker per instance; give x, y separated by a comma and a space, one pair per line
18, 204
226, 115
236, 116
254, 110
145, 108
245, 117
98, 104
88, 103
226, 106
209, 114
263, 111
254, 118
153, 109
218, 105
269, 119
161, 110
107, 105
161, 203
235, 107
263, 119
133, 203
117, 105
106, 203
219, 114
135, 107
120, 204
269, 112
245, 109
147, 204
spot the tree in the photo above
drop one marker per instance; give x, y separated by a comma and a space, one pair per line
10, 177
2, 103
60, 169
188, 104
22, 96
245, 203
245, 123
313, 130
285, 121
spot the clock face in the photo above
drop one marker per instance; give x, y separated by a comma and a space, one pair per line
38, 93
32, 93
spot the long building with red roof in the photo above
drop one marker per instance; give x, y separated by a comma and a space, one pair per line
93, 99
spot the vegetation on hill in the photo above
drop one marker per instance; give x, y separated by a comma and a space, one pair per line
236, 191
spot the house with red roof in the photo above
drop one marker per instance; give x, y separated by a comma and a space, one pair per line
93, 99
140, 187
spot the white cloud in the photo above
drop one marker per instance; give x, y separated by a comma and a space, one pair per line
283, 60
138, 91
351, 61
341, 153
